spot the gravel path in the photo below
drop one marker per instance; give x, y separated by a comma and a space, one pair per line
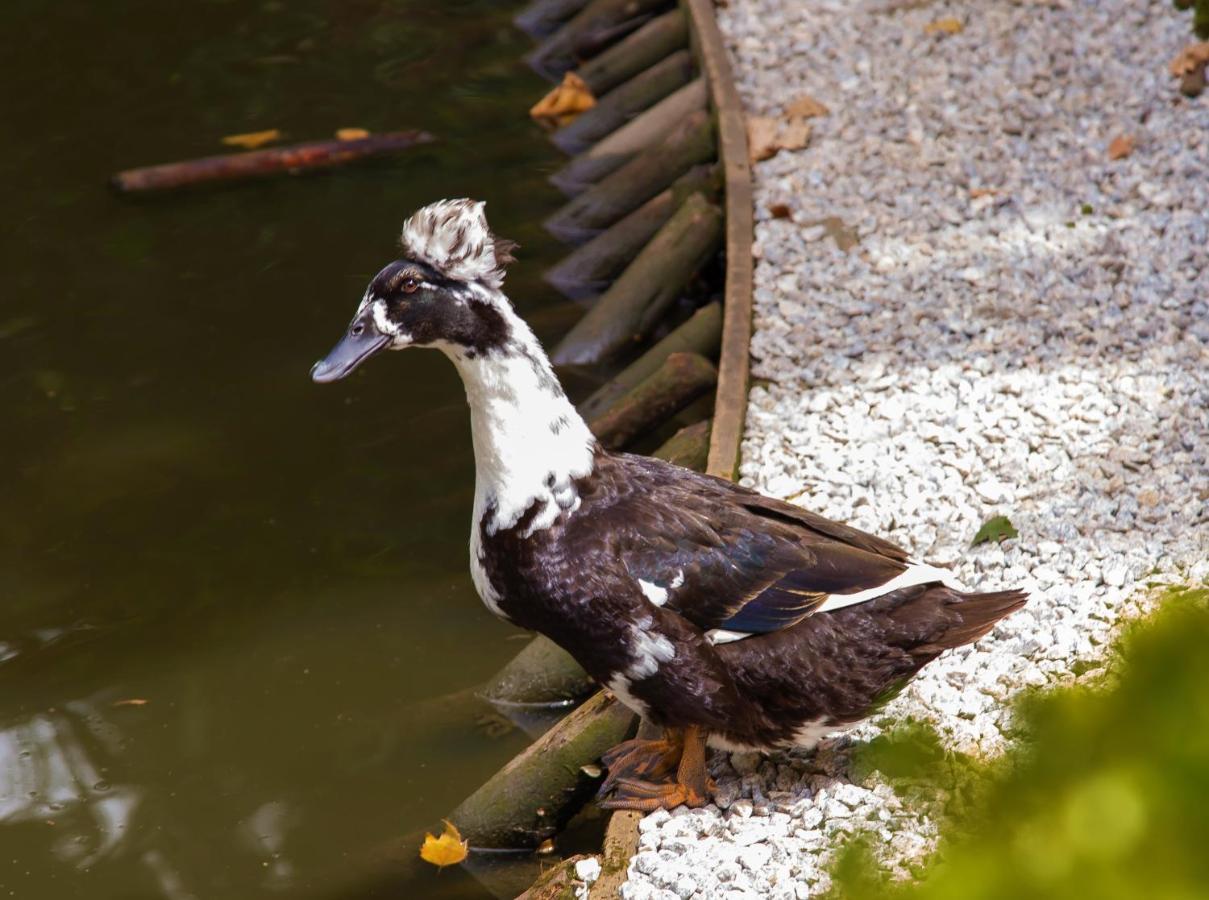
1022, 329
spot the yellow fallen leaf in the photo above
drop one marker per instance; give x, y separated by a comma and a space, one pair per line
564, 103
1122, 145
944, 26
806, 107
351, 134
447, 850
1191, 58
252, 139
766, 136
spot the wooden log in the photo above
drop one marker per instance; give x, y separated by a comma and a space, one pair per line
688, 447
628, 310
556, 54
589, 269
620, 841
700, 333
620, 147
681, 379
655, 40
541, 674
543, 17
289, 160
623, 103
531, 797
648, 173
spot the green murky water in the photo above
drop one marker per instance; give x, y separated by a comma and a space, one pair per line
222, 586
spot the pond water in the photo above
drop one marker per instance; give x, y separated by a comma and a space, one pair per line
222, 586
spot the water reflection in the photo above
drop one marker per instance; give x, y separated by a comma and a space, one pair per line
49, 774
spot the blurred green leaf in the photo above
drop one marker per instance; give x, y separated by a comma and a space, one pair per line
997, 529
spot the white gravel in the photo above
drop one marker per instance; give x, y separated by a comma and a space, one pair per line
1022, 330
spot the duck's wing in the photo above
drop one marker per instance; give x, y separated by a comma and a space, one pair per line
726, 558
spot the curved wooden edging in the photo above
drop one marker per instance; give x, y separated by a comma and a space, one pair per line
734, 366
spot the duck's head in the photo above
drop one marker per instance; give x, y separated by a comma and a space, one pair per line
443, 292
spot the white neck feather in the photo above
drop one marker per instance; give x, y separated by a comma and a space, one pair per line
530, 444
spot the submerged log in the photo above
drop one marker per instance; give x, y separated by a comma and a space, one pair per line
688, 447
655, 40
618, 148
531, 797
541, 674
290, 160
681, 379
701, 333
624, 102
543, 17
589, 269
556, 54
628, 310
648, 173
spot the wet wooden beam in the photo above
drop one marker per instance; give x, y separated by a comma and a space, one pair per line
543, 17
558, 53
648, 173
626, 101
589, 269
628, 311
657, 39
701, 333
681, 379
619, 147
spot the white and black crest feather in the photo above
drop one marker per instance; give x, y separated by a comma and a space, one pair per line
452, 236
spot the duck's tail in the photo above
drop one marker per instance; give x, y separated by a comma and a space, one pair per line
976, 614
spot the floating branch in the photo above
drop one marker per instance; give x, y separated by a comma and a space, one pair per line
289, 160
620, 147
557, 53
648, 173
629, 309
681, 379
638, 52
624, 102
589, 269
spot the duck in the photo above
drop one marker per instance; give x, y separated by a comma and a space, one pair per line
731, 619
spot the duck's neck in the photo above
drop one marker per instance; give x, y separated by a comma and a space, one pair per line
530, 444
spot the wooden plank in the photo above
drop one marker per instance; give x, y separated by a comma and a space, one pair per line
734, 364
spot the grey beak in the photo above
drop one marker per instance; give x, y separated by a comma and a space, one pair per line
360, 342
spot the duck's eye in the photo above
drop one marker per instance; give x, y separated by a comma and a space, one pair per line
409, 285
358, 330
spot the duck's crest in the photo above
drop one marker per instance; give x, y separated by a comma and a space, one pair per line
453, 237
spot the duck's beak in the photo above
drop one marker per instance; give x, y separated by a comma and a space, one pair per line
360, 342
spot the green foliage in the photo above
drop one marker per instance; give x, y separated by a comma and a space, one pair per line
1105, 798
997, 529
1200, 15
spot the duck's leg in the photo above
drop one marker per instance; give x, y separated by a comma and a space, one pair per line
642, 759
691, 787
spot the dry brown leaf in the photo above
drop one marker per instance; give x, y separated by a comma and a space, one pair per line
975, 193
133, 701
1191, 58
564, 103
1122, 145
780, 211
944, 26
351, 134
252, 139
766, 136
806, 107
447, 850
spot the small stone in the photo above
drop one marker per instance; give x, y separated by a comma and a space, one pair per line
587, 870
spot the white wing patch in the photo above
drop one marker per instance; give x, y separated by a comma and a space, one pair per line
917, 573
649, 649
653, 592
